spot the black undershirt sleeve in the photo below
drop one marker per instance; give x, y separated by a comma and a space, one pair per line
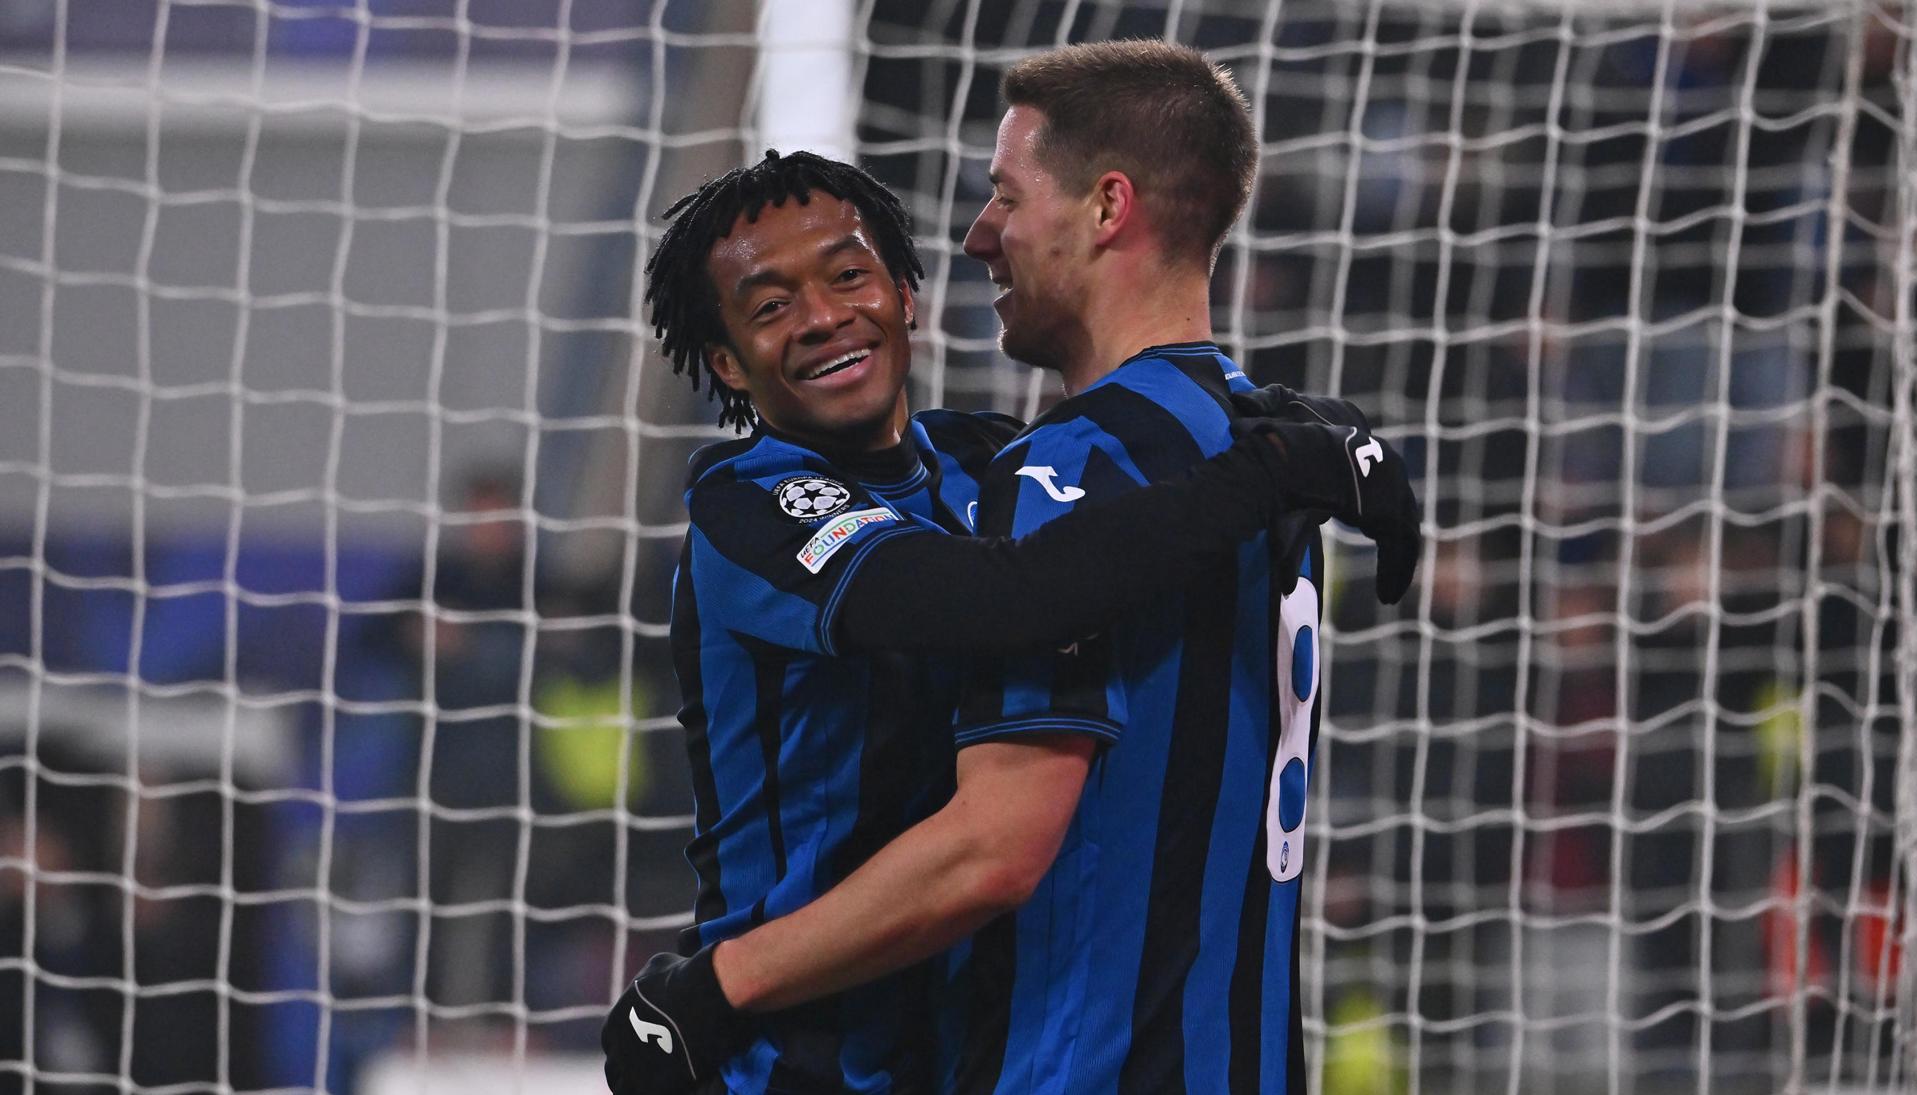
1069, 577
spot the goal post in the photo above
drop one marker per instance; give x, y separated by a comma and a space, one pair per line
340, 493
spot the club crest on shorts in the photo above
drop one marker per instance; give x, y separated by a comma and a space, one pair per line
808, 496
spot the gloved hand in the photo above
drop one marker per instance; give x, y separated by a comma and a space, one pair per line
1286, 405
1336, 466
671, 1029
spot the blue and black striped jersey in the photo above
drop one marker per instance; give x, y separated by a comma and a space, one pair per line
1159, 954
807, 760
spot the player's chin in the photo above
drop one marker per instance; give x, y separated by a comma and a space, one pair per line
1020, 344
874, 390
848, 414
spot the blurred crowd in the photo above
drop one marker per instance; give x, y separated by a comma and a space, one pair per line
1631, 776
463, 835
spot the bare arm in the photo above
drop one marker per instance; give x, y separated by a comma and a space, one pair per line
981, 855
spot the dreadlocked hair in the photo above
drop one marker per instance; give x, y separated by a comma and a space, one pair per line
679, 292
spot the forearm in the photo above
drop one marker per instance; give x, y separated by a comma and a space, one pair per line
934, 885
917, 896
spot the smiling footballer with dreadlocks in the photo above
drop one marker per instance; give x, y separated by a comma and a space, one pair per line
681, 297
829, 563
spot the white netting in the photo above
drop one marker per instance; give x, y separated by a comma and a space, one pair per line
312, 774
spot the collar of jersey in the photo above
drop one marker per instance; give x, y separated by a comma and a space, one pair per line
890, 471
1163, 349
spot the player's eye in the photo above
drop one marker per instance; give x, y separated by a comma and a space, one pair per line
851, 274
768, 308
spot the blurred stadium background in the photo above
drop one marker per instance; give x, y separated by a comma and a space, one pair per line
339, 491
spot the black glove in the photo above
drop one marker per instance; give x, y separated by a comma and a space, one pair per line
1346, 472
1285, 405
671, 1029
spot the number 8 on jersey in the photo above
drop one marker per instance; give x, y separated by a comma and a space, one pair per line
1297, 684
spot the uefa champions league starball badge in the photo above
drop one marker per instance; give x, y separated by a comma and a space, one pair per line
807, 497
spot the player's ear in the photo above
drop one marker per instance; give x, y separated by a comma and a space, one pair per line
725, 365
1114, 205
911, 305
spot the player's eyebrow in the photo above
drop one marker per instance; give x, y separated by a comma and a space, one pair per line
771, 276
848, 242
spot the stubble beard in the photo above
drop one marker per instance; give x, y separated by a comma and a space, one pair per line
1041, 338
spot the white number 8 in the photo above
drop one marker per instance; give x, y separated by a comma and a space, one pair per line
1297, 684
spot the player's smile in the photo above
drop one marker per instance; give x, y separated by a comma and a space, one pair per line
818, 329
845, 366
1000, 303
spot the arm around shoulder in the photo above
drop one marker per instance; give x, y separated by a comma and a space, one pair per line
981, 855
1086, 565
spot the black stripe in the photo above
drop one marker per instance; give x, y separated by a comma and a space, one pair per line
913, 1062
905, 766
889, 768
989, 1022
768, 712
1159, 443
982, 700
1079, 675
1082, 670
1295, 1063
1247, 991
1194, 771
998, 498
809, 1038
703, 850
710, 456
971, 440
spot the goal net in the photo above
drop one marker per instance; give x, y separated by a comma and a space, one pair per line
340, 491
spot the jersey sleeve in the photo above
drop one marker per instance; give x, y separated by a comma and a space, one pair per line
774, 552
1071, 689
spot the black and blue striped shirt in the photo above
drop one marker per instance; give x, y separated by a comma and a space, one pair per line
807, 759
1159, 954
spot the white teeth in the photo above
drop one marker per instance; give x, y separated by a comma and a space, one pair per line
820, 370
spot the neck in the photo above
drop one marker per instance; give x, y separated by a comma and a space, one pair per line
1130, 314
874, 436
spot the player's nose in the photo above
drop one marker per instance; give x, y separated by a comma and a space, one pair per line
981, 240
821, 311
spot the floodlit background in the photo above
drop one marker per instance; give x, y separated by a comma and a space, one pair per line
339, 496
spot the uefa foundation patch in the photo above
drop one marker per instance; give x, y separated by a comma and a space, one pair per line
834, 534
